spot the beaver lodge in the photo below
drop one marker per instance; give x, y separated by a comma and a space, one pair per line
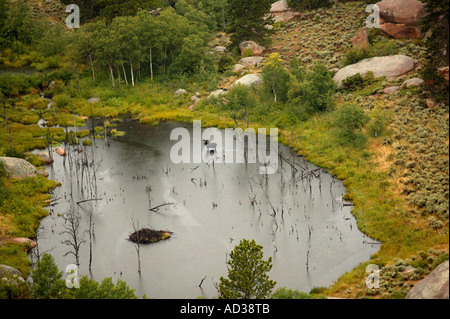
148, 236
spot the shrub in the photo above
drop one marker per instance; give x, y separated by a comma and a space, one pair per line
225, 63
349, 120
310, 92
285, 293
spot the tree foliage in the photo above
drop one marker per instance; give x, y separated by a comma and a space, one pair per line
48, 283
308, 4
349, 120
247, 273
247, 20
275, 78
435, 27
310, 91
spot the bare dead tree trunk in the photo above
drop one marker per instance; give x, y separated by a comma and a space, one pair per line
137, 244
92, 66
151, 64
72, 222
112, 75
125, 74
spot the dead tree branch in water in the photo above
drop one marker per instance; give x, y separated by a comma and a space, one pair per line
156, 208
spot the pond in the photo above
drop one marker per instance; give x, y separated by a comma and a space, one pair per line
297, 214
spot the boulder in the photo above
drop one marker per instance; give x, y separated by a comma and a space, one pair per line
413, 82
18, 167
281, 11
400, 18
237, 68
196, 98
180, 92
249, 80
220, 49
94, 100
434, 286
43, 155
251, 61
60, 151
361, 40
218, 93
9, 271
20, 240
391, 89
392, 67
252, 46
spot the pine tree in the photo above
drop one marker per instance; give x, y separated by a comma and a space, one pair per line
47, 279
436, 32
248, 20
247, 273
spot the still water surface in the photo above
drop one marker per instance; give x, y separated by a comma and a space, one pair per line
313, 238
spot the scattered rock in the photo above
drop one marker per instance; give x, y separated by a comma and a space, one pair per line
400, 18
42, 173
251, 61
249, 80
52, 85
94, 100
237, 68
44, 156
60, 151
430, 103
391, 89
444, 72
254, 47
220, 49
18, 167
281, 11
155, 12
180, 92
361, 40
434, 286
392, 67
196, 98
408, 270
413, 82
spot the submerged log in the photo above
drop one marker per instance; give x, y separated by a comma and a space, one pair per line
148, 236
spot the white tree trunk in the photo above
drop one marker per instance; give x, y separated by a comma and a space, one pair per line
132, 73
125, 74
151, 64
112, 74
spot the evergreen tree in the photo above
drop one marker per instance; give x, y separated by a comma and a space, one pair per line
47, 279
247, 273
435, 28
248, 20
308, 4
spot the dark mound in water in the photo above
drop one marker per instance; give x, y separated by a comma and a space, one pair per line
148, 236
